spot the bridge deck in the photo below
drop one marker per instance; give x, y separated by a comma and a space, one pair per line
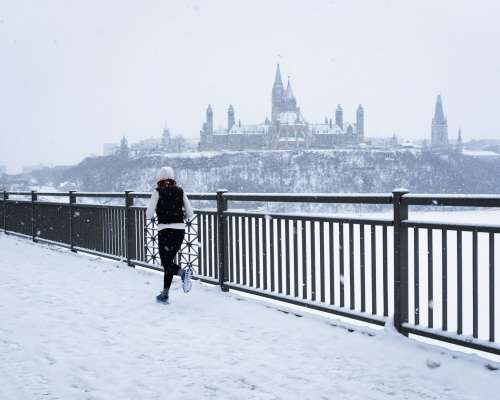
78, 327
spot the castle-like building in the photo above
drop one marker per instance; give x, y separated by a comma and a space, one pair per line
287, 128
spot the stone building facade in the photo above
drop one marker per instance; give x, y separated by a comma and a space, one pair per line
287, 128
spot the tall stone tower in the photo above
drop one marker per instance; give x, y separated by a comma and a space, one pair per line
439, 130
339, 117
230, 117
460, 143
278, 95
209, 127
360, 122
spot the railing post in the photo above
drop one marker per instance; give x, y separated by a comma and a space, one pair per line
129, 228
400, 260
5, 198
72, 201
222, 239
34, 198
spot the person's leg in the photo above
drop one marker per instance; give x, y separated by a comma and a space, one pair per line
171, 243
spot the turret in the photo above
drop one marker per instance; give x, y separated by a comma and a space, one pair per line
230, 117
278, 94
460, 144
360, 122
439, 128
339, 117
209, 127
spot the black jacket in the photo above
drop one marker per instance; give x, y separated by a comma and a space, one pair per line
169, 206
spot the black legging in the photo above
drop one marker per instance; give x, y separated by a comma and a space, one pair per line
169, 243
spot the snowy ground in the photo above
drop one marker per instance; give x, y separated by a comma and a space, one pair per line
79, 327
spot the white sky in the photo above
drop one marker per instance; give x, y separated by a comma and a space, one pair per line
77, 74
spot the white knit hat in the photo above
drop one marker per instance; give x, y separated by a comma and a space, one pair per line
165, 173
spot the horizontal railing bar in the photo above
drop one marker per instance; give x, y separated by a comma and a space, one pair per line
458, 200
53, 194
468, 227
358, 198
372, 319
19, 193
100, 194
309, 217
459, 340
191, 196
50, 203
82, 205
15, 201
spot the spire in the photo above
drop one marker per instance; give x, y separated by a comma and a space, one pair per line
289, 92
438, 111
277, 78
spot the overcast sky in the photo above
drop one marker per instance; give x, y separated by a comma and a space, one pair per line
77, 74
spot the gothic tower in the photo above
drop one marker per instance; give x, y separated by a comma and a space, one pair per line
209, 127
278, 95
290, 103
439, 130
360, 122
339, 117
460, 143
230, 117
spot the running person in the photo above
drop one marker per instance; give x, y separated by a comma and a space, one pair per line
172, 207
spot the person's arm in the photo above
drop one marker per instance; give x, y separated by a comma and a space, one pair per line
188, 210
150, 212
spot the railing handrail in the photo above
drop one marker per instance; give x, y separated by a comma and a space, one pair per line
456, 200
352, 198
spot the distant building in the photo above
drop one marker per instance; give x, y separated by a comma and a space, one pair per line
287, 127
439, 128
3, 169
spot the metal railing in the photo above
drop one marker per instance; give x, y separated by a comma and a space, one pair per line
359, 267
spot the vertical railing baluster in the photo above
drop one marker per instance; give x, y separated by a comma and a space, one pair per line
304, 258
250, 251
280, 256
237, 248
416, 276
362, 266
210, 246
430, 280
264, 253
444, 281
322, 259
475, 305
271, 252
331, 249
244, 249
373, 250
258, 275
459, 284
230, 248
352, 298
341, 262
385, 274
312, 227
492, 286
295, 259
287, 256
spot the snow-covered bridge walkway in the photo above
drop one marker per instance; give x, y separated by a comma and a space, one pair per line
79, 327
